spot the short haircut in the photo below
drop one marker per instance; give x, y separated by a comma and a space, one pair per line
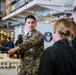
74, 10
19, 36
30, 16
9, 38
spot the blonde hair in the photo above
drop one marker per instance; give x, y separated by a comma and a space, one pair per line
63, 26
73, 34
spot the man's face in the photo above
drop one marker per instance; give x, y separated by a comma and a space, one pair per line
30, 24
74, 17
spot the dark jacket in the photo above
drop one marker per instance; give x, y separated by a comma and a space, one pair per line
18, 42
59, 59
19, 53
9, 44
74, 43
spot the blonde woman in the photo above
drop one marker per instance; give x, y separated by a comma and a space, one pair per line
59, 59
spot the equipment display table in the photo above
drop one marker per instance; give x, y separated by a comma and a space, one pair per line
8, 65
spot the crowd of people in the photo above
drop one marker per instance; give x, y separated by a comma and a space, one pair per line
6, 43
58, 59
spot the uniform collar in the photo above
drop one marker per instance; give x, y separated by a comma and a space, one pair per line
65, 42
31, 33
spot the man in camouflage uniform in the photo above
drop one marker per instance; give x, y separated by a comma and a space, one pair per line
33, 46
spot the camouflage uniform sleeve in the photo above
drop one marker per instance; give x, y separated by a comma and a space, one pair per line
32, 42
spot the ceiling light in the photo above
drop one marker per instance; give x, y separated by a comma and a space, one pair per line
47, 22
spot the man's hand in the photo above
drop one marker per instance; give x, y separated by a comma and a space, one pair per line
11, 51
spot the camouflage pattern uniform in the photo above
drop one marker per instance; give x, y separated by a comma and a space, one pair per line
33, 47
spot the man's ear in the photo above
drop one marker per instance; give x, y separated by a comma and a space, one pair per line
35, 23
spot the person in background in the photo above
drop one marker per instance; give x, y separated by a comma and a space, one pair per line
19, 53
2, 44
33, 47
60, 58
9, 44
74, 14
73, 33
19, 40
3, 41
74, 19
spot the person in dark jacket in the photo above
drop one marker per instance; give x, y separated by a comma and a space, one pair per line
19, 53
3, 41
9, 44
74, 19
73, 35
19, 40
59, 59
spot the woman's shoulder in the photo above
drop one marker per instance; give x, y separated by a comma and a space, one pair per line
50, 52
49, 49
